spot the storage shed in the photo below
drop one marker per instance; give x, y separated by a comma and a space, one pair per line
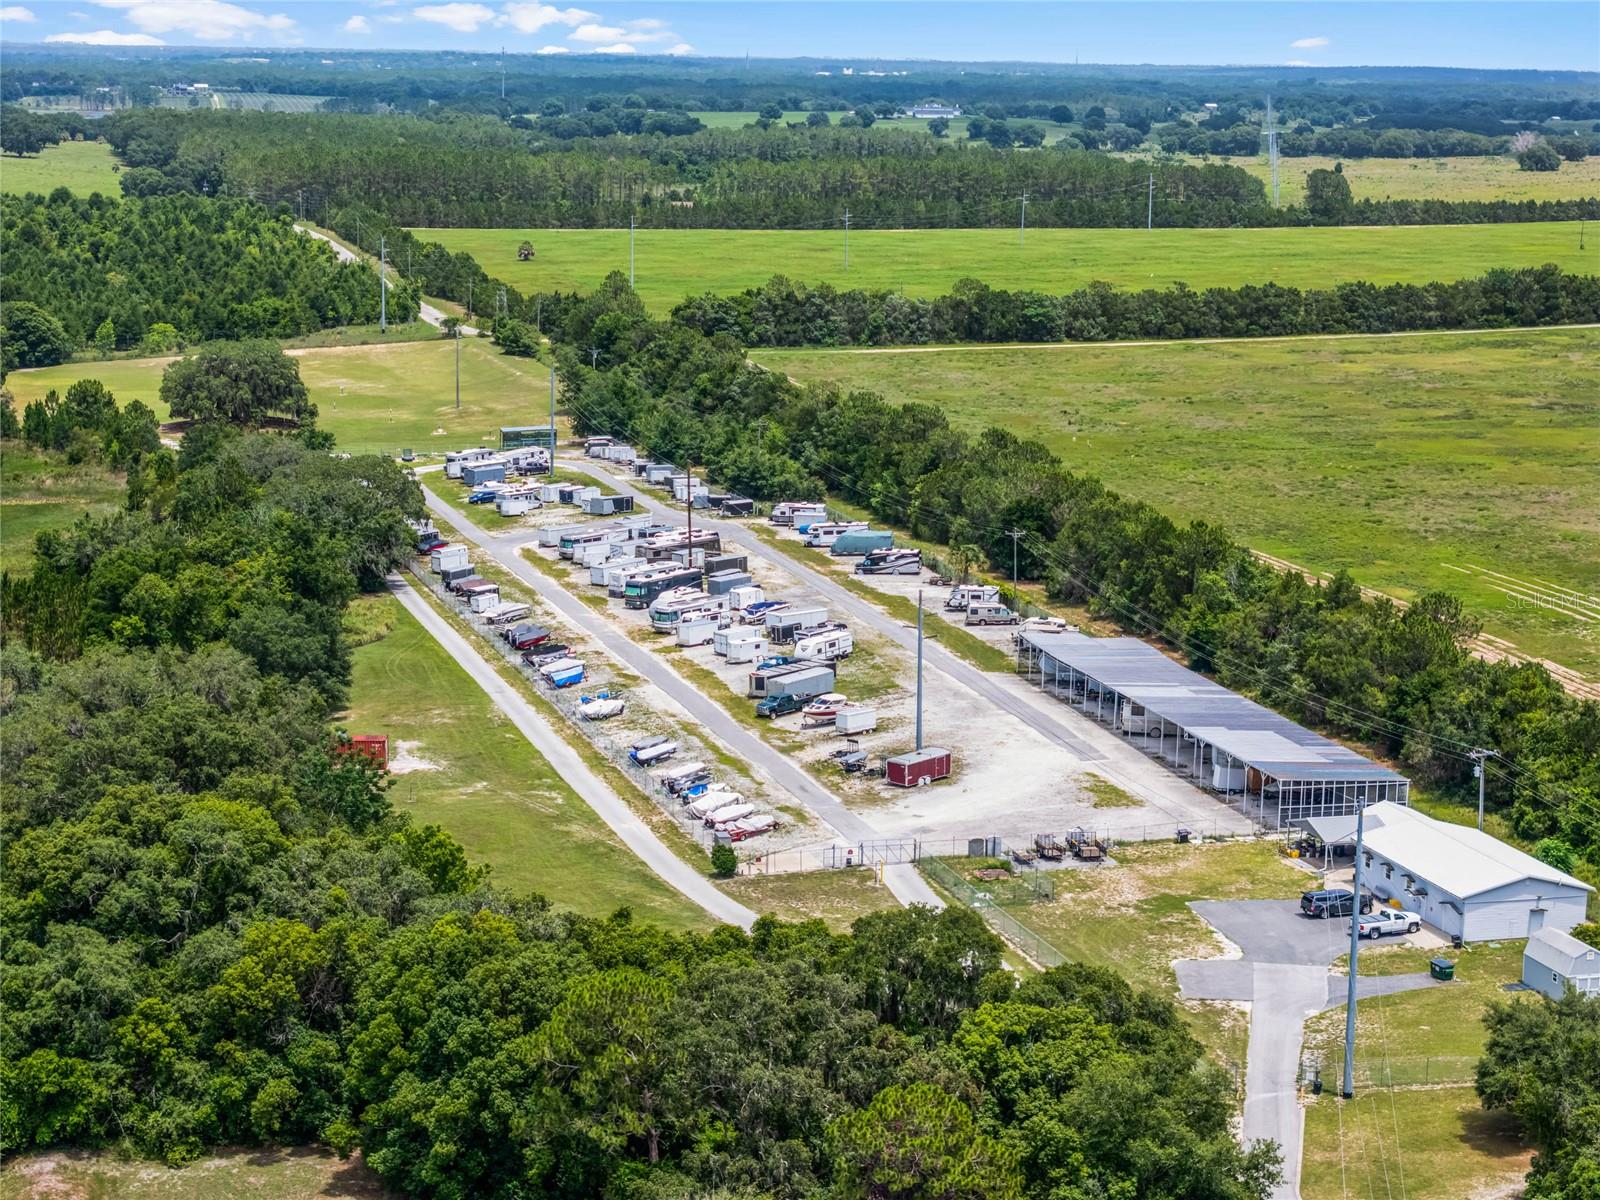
1463, 881
1555, 962
918, 767
374, 746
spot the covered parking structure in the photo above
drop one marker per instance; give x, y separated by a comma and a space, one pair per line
1276, 771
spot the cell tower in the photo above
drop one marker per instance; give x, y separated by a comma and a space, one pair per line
1271, 130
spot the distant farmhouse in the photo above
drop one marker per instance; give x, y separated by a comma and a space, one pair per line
933, 110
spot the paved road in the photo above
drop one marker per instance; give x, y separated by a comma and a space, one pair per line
1124, 765
612, 809
903, 880
430, 314
1284, 974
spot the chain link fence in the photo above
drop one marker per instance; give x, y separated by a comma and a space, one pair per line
1406, 1071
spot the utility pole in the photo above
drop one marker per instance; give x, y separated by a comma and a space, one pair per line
1349, 1089
1014, 534
358, 231
1150, 204
630, 251
1479, 759
1272, 150
383, 287
300, 199
688, 510
552, 420
469, 299
458, 368
847, 239
594, 358
919, 669
502, 72
1022, 228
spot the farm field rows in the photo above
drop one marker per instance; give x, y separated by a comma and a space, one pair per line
468, 769
82, 167
1415, 462
393, 396
1487, 177
673, 263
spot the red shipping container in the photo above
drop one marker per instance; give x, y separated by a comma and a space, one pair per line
374, 745
918, 767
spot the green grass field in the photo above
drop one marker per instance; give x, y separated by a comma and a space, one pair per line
1489, 177
41, 491
485, 784
1416, 462
299, 1173
82, 167
378, 398
673, 263
1448, 1146
837, 897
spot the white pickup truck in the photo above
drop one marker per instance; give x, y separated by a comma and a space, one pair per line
1388, 920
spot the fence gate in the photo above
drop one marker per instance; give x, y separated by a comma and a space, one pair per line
868, 854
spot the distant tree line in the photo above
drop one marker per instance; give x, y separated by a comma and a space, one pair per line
783, 312
1402, 681
462, 171
110, 273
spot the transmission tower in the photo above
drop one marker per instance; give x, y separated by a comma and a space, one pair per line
1270, 128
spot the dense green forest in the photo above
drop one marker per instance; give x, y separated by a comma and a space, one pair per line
217, 931
109, 270
1400, 680
785, 313
454, 170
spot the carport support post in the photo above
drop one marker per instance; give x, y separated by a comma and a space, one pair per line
1349, 1088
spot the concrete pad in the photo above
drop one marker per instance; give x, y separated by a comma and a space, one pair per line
1216, 979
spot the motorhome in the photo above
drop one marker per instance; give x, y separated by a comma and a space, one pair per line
620, 571
456, 460
600, 572
785, 511
990, 614
825, 533
891, 562
669, 608
588, 537
663, 545
642, 590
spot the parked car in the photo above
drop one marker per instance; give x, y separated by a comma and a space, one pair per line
781, 705
1388, 920
1333, 902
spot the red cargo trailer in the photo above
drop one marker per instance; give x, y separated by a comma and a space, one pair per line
374, 746
918, 767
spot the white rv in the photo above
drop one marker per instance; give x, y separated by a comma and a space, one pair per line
825, 645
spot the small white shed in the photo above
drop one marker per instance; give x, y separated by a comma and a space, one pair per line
1555, 961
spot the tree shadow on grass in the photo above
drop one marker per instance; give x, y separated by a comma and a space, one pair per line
1495, 1135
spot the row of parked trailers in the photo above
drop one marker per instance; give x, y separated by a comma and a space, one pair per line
685, 490
844, 539
722, 810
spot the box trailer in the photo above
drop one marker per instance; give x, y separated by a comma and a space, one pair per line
742, 598
512, 505
482, 602
730, 633
722, 583
658, 473
454, 574
714, 563
442, 557
456, 461
861, 541
749, 649
480, 473
854, 719
696, 631
918, 768
600, 572
799, 616
606, 506
810, 680
551, 535
733, 506
549, 493
592, 446
827, 645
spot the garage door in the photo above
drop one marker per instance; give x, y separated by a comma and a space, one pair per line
1506, 919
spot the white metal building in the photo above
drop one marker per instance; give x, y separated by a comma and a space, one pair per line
1464, 882
1555, 961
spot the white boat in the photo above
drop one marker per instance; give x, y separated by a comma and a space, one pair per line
598, 708
749, 827
826, 705
729, 812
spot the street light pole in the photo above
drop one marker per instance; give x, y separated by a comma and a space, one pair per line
1355, 948
919, 668
458, 368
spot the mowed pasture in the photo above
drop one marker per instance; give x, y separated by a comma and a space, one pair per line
1486, 177
464, 766
373, 399
670, 264
40, 491
81, 167
1416, 462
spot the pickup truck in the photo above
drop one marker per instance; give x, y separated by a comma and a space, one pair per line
1388, 920
1334, 902
778, 706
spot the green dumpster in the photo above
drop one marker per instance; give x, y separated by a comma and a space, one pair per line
1442, 968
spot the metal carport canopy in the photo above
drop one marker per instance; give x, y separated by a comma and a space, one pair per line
1241, 728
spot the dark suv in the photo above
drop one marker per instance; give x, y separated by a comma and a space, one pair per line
1332, 903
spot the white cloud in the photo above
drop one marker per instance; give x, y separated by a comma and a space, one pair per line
553, 50
635, 32
619, 48
358, 24
1309, 43
463, 18
106, 37
597, 33
15, 12
647, 23
206, 20
532, 17
681, 48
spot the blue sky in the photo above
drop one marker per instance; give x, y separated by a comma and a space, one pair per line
1549, 35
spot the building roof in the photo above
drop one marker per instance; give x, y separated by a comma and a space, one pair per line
1333, 830
1456, 858
1242, 728
1562, 952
